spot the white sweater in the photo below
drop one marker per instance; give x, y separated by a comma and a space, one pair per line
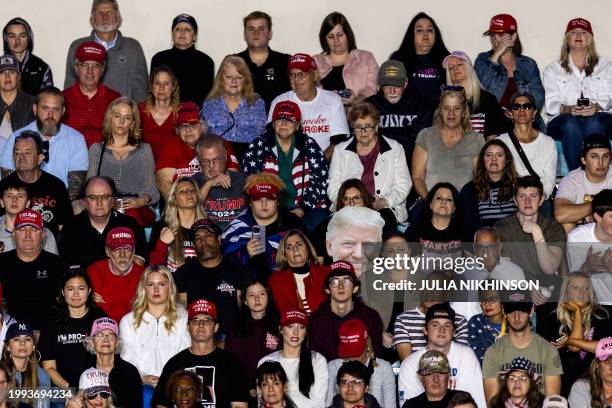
318, 390
150, 346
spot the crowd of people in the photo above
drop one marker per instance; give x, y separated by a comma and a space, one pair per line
176, 235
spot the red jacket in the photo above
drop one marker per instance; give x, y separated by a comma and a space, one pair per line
284, 289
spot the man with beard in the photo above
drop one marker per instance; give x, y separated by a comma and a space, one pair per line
211, 276
521, 341
126, 71
64, 149
46, 193
114, 280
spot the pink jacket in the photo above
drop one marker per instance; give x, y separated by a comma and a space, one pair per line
360, 72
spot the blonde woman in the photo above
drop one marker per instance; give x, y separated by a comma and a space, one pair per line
575, 327
156, 329
171, 236
127, 160
232, 109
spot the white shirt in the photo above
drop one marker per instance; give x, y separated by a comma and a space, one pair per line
575, 186
578, 242
542, 155
564, 88
318, 390
322, 118
466, 374
150, 346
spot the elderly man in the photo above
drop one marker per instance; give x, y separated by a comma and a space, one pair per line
83, 238
323, 115
127, 68
19, 41
64, 149
434, 373
268, 67
404, 112
46, 193
15, 105
114, 280
488, 247
225, 384
178, 157
29, 275
87, 100
286, 151
221, 190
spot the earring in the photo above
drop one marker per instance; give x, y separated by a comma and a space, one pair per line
38, 359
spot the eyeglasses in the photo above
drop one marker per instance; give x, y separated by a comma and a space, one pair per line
106, 336
298, 75
214, 162
233, 78
98, 198
522, 378
350, 383
93, 66
201, 322
336, 282
453, 88
297, 247
4, 382
364, 128
352, 200
103, 394
188, 127
521, 106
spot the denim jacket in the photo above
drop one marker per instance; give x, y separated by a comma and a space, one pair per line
494, 77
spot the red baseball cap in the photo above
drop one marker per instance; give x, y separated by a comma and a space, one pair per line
294, 316
202, 306
353, 336
120, 237
262, 190
188, 114
288, 110
501, 23
579, 23
28, 217
303, 62
91, 51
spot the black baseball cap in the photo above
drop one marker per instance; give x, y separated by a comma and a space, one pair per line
440, 311
595, 141
517, 301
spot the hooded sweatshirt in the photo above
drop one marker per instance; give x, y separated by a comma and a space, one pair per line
35, 73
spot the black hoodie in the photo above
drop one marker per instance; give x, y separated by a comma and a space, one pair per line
35, 73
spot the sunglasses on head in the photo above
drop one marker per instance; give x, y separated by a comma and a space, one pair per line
521, 106
103, 394
454, 88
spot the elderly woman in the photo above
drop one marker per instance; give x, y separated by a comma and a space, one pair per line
594, 391
297, 159
94, 391
379, 162
184, 389
504, 69
159, 109
422, 51
194, 69
518, 386
123, 377
447, 151
490, 196
232, 109
575, 327
272, 384
486, 116
127, 160
171, 243
350, 72
538, 149
578, 91
298, 283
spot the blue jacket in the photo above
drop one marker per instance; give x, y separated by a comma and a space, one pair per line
494, 77
481, 335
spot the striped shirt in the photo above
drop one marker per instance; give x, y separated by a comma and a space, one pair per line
493, 210
409, 329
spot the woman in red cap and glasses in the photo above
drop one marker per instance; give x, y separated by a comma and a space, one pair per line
504, 69
306, 370
578, 91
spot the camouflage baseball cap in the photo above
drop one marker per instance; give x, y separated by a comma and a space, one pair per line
433, 361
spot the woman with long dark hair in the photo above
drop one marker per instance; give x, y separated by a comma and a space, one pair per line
422, 51
255, 332
61, 342
343, 68
272, 383
306, 370
489, 197
518, 386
